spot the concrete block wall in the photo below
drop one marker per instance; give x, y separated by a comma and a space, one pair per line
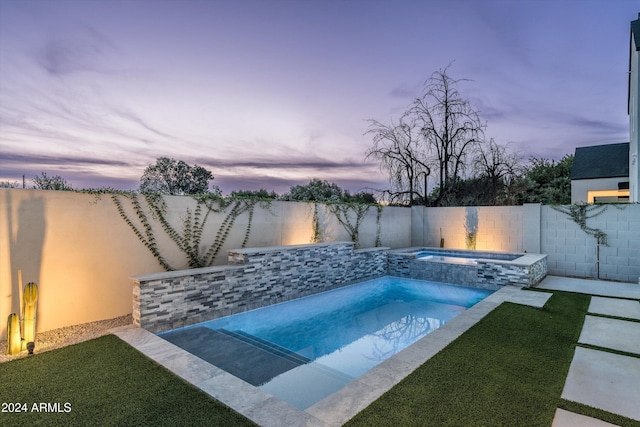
534, 228
571, 252
255, 278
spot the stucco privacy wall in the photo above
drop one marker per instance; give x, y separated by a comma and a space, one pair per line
571, 252
499, 228
81, 253
256, 278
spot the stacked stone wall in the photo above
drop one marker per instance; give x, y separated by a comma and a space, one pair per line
488, 272
254, 278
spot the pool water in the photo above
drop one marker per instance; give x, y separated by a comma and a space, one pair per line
306, 349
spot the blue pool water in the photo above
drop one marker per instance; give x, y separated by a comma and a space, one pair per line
304, 350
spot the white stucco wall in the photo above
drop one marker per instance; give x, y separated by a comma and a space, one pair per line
81, 253
581, 187
500, 228
634, 125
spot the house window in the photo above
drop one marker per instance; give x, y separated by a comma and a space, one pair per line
608, 196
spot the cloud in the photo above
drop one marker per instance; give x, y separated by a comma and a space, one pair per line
138, 121
82, 49
283, 163
406, 91
36, 159
597, 127
80, 171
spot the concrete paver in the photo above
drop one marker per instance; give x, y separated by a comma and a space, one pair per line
604, 380
596, 378
615, 307
591, 287
533, 299
621, 335
569, 419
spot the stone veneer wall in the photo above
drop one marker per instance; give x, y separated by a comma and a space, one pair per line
527, 270
255, 278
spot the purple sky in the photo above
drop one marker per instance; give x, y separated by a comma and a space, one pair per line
273, 93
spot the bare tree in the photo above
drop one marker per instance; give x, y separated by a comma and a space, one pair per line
499, 167
450, 128
397, 147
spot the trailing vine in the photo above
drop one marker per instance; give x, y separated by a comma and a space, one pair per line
189, 238
239, 206
341, 211
248, 232
378, 225
316, 236
581, 212
147, 239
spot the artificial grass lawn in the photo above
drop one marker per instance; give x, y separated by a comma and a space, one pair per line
509, 369
107, 382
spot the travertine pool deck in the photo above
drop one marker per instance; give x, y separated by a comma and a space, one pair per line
337, 408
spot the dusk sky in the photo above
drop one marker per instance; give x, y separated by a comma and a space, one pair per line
271, 93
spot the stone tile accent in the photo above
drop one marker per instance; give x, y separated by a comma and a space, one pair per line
254, 278
528, 271
258, 277
488, 272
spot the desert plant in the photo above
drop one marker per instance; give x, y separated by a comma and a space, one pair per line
14, 344
29, 306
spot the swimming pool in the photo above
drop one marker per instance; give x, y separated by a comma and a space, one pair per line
304, 350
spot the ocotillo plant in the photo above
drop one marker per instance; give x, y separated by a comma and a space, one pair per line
29, 306
13, 334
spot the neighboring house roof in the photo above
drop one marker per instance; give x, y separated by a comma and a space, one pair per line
601, 161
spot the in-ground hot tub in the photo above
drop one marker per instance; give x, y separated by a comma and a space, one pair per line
483, 269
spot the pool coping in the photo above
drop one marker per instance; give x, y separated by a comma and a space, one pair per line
336, 409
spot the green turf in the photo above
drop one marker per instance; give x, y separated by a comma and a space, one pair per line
507, 370
106, 382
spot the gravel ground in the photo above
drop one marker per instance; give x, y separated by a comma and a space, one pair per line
63, 337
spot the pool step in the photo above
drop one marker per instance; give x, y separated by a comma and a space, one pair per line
267, 346
255, 364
